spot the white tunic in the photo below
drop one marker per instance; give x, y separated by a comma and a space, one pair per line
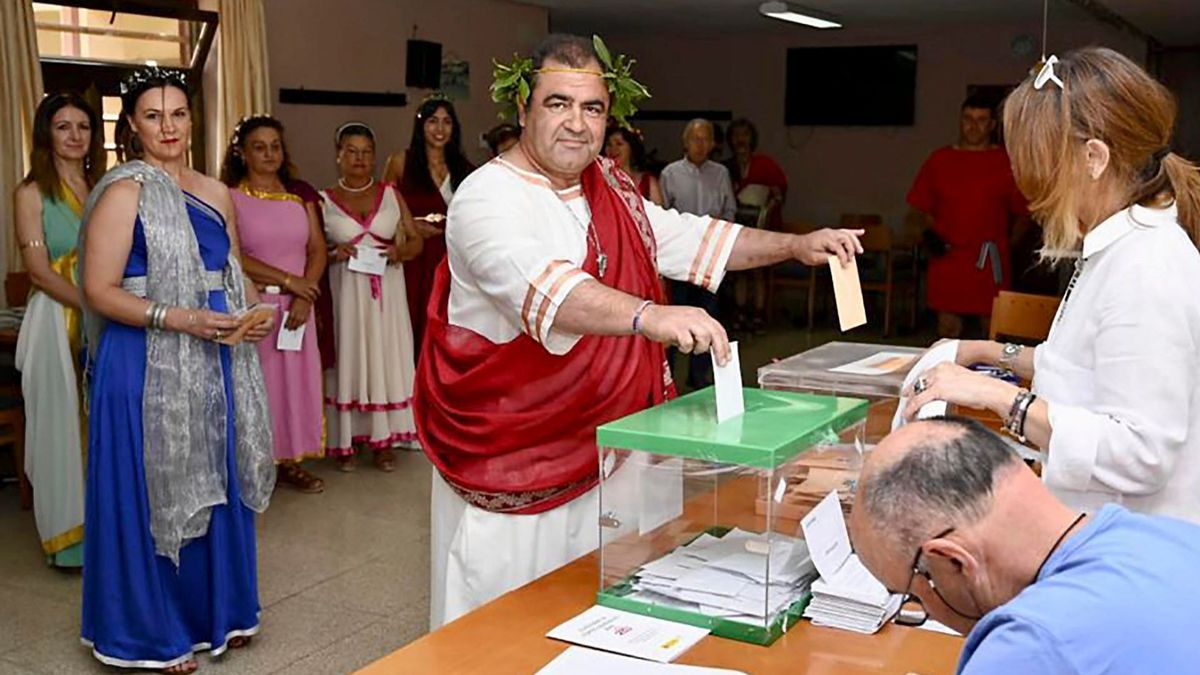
515, 248
1121, 371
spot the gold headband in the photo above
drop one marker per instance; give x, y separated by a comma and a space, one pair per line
580, 71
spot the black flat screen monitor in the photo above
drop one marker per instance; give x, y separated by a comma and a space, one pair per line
851, 86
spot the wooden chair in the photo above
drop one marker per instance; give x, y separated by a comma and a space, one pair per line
12, 409
16, 288
792, 275
12, 432
880, 258
1022, 316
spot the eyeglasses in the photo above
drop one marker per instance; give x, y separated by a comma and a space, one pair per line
1046, 74
916, 616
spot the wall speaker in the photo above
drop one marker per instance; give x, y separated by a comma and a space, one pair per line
423, 69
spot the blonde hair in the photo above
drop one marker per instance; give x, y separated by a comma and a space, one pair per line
1107, 97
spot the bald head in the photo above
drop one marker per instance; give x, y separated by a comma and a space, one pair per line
698, 140
929, 475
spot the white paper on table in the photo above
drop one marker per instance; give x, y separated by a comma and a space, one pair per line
876, 364
289, 340
368, 260
644, 637
825, 531
731, 401
941, 353
581, 661
936, 627
660, 486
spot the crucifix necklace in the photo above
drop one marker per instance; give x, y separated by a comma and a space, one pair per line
590, 229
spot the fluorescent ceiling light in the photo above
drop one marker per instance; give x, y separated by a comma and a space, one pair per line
805, 17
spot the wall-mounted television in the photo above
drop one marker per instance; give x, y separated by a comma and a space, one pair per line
851, 86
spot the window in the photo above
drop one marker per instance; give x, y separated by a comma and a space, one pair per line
88, 46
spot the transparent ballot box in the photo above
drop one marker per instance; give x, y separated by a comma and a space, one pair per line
870, 371
692, 524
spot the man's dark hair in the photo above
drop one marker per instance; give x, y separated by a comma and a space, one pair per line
499, 134
939, 482
980, 102
573, 51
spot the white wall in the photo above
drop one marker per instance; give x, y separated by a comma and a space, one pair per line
360, 45
834, 170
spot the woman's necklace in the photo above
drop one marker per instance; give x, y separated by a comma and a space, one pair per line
347, 188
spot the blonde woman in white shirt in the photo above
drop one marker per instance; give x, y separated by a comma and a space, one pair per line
1115, 401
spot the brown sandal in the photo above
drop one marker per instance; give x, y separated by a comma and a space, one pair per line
290, 473
239, 641
385, 460
345, 464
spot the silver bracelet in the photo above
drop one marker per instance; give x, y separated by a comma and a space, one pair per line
1015, 424
1009, 355
150, 308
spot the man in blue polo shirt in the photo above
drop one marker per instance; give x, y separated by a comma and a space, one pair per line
946, 512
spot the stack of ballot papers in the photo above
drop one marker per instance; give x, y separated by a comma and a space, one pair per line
741, 576
846, 596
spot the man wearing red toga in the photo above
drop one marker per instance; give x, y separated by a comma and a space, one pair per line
538, 336
969, 197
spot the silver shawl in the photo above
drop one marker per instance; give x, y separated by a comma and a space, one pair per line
184, 421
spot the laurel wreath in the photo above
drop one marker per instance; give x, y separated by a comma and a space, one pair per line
511, 84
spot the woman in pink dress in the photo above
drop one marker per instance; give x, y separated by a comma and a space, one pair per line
369, 391
283, 252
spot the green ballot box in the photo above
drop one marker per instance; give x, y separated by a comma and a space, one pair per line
691, 527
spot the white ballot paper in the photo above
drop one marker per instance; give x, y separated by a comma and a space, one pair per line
846, 596
731, 401
368, 260
631, 634
945, 352
580, 661
289, 340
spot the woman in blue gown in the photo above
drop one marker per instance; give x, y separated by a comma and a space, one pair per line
179, 451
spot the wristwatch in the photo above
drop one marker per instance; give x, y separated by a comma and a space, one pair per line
1009, 354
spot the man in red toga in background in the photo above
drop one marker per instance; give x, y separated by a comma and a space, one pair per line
969, 198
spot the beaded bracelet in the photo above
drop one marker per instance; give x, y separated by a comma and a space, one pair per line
637, 316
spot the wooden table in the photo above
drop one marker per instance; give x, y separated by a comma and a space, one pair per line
507, 636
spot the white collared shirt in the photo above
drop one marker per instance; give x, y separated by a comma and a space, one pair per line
516, 247
704, 190
1120, 371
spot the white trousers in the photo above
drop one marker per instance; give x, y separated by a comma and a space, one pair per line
477, 555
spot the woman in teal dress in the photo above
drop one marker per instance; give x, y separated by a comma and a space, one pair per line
179, 437
66, 161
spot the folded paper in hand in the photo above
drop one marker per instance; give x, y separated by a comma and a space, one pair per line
249, 319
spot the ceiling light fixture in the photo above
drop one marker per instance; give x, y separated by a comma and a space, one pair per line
806, 17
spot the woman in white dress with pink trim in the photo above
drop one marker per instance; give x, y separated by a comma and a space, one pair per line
368, 394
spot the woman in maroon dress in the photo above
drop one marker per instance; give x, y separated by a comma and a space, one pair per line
625, 147
427, 174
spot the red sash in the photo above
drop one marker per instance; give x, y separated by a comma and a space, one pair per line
511, 427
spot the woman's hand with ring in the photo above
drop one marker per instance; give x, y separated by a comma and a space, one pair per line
959, 386
200, 323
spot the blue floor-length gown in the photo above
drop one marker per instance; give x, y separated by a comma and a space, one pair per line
138, 609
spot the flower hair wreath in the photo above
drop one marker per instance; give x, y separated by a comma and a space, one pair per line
511, 83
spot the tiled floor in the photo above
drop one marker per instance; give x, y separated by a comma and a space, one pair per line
344, 579
344, 575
